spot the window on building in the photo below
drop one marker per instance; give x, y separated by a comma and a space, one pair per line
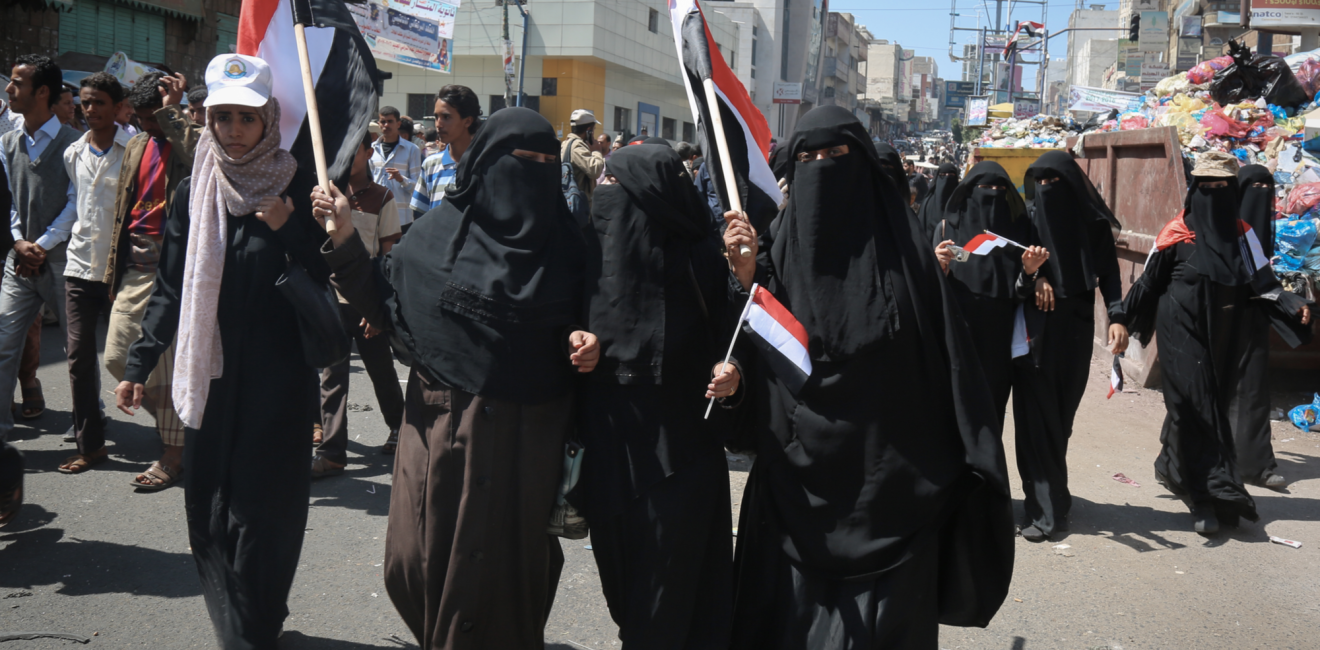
689, 132
653, 21
753, 73
783, 45
667, 127
102, 28
549, 86
622, 119
421, 105
753, 49
226, 32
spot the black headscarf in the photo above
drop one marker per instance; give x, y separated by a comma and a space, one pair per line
1212, 215
779, 162
892, 164
655, 139
918, 186
1072, 222
932, 209
653, 207
1258, 205
829, 243
971, 211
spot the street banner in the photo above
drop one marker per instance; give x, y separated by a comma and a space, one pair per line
1023, 109
1154, 34
1284, 13
411, 32
977, 108
1094, 100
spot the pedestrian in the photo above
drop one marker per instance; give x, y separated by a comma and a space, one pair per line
41, 218
433, 144
126, 118
67, 109
854, 533
986, 285
376, 219
483, 293
396, 162
155, 162
580, 150
932, 209
654, 477
1249, 410
1072, 222
1194, 294
457, 118
247, 482
197, 105
93, 162
893, 166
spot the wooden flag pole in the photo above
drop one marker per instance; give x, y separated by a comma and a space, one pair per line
313, 116
726, 160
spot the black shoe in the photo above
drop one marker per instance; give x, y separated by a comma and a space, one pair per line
1204, 520
1033, 534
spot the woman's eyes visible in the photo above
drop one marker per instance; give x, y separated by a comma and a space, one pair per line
248, 119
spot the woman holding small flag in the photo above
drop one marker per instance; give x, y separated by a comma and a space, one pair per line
878, 506
655, 482
483, 292
1196, 293
1072, 222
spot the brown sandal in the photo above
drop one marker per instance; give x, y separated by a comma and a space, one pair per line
158, 472
318, 433
34, 402
391, 443
80, 463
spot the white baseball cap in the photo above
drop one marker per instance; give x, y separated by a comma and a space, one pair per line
582, 117
237, 79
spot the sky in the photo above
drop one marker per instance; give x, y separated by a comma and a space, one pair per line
923, 25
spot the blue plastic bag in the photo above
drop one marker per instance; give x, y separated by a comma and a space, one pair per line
1305, 416
1279, 113
1292, 241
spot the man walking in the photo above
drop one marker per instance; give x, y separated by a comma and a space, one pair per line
42, 215
457, 117
395, 162
579, 149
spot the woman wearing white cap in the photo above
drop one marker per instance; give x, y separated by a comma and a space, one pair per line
241, 385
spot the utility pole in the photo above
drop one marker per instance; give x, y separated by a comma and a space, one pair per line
504, 53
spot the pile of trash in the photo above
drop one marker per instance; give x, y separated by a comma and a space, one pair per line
1039, 132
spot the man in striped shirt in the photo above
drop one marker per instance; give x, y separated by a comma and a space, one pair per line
457, 117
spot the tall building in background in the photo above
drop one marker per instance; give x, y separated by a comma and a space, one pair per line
846, 48
1093, 18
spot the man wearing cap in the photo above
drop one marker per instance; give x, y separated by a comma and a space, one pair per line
580, 150
155, 160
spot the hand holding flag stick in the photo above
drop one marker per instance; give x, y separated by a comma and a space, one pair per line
726, 161
737, 328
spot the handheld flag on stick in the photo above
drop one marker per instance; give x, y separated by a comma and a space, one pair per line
324, 77
1116, 376
729, 355
778, 335
718, 101
983, 244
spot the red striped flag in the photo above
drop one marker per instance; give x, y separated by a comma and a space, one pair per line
984, 243
745, 128
1116, 376
780, 337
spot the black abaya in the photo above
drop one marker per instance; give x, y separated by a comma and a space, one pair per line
856, 531
1071, 221
1249, 410
932, 209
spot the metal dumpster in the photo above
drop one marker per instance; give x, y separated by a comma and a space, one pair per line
1014, 161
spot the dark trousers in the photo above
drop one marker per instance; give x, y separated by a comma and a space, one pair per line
376, 356
30, 361
84, 303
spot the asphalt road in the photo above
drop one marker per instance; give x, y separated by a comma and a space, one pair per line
89, 556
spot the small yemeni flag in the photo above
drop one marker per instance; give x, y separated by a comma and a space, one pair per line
984, 243
745, 128
1116, 376
780, 338
344, 72
1252, 244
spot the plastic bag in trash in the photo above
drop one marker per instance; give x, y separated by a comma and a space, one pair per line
1302, 199
1308, 74
1255, 77
1282, 87
1216, 123
1292, 241
1205, 71
1304, 417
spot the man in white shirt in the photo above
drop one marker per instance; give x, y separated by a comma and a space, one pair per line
93, 163
395, 162
42, 216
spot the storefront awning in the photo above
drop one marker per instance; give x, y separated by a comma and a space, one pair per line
187, 9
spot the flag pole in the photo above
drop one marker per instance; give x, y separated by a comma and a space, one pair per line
1007, 240
313, 116
726, 160
736, 328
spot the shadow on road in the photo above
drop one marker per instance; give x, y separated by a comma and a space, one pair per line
44, 557
294, 640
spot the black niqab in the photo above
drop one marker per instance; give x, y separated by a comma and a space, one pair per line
1258, 204
653, 205
779, 162
972, 211
1212, 214
830, 242
1072, 222
932, 209
892, 165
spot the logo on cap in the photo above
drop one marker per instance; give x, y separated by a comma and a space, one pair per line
235, 69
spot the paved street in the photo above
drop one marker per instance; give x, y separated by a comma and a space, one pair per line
90, 557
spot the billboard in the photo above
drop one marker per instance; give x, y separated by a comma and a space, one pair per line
412, 32
786, 92
1191, 27
1023, 109
955, 101
1154, 34
1083, 98
1285, 13
960, 88
977, 108
1189, 54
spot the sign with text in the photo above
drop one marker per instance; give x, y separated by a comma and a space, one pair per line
1191, 27
977, 109
1154, 34
1285, 13
960, 88
787, 93
955, 101
1094, 100
412, 32
1189, 54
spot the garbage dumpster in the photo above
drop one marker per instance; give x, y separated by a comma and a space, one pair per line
1014, 161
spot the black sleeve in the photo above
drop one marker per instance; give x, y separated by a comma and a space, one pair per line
1139, 307
160, 322
359, 279
302, 236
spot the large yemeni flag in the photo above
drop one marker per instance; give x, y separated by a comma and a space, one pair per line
344, 72
745, 128
779, 336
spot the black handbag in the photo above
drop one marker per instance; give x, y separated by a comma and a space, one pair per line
325, 342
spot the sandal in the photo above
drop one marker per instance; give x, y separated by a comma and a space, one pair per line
80, 463
34, 402
323, 467
157, 472
391, 443
318, 433
9, 505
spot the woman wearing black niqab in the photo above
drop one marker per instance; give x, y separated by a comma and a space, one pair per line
932, 209
1195, 292
654, 476
483, 293
985, 285
891, 163
1072, 222
1249, 411
877, 508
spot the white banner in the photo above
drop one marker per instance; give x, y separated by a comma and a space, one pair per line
413, 32
1085, 98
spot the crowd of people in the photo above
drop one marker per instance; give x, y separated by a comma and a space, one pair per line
553, 296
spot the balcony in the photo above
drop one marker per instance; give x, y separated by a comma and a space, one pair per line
837, 69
